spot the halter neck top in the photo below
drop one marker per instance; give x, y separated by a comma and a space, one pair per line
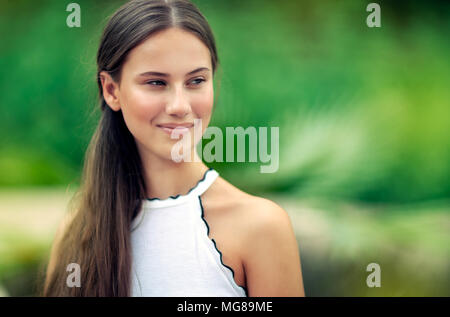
172, 254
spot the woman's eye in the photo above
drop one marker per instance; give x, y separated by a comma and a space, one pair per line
197, 81
155, 83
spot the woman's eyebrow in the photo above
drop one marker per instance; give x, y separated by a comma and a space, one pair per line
197, 70
151, 73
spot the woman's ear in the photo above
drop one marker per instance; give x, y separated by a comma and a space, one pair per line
110, 91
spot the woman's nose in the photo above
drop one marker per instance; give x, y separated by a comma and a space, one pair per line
178, 105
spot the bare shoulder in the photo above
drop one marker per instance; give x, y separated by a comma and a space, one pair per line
252, 212
267, 243
262, 212
263, 222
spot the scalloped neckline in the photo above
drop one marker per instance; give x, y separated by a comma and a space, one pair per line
180, 196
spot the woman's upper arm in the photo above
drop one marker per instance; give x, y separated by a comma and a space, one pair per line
271, 256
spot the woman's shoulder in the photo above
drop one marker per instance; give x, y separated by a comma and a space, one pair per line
266, 241
246, 209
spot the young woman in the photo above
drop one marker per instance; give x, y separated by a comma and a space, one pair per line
145, 224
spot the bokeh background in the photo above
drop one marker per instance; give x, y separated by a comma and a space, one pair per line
364, 131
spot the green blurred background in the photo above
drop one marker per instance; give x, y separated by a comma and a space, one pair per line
364, 131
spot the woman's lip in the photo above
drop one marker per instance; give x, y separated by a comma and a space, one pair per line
169, 131
184, 125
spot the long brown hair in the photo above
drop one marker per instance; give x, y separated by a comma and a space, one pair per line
98, 236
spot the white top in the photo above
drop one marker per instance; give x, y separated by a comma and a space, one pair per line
172, 253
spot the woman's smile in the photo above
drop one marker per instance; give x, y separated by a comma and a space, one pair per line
179, 130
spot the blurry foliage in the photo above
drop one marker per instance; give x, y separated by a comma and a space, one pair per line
363, 113
410, 243
22, 263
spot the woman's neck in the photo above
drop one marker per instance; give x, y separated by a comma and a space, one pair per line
165, 178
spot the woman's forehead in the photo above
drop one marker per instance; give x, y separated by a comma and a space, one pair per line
173, 51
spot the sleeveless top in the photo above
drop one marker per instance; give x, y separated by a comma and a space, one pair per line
172, 254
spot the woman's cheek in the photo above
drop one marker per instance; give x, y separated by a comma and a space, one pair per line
138, 112
203, 106
144, 104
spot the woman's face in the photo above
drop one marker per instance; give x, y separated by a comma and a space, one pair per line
167, 79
